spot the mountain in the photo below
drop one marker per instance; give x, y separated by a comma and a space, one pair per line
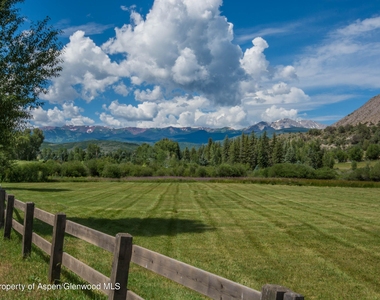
368, 113
200, 135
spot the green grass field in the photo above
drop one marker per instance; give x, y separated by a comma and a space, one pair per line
322, 242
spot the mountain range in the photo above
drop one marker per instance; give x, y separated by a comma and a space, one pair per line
199, 135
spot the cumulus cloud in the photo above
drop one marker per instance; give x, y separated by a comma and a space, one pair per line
149, 95
181, 47
182, 44
87, 71
144, 111
275, 113
254, 61
68, 115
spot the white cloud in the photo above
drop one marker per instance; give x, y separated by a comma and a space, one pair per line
144, 111
349, 56
87, 71
89, 28
121, 89
275, 113
182, 44
254, 61
149, 95
69, 115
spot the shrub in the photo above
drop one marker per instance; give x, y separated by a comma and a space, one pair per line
53, 167
288, 170
355, 153
226, 170
73, 169
125, 169
375, 172
325, 173
140, 171
111, 171
201, 172
92, 167
29, 172
373, 152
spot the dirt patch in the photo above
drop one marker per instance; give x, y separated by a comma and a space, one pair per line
4, 269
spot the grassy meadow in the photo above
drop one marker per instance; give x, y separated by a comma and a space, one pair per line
322, 242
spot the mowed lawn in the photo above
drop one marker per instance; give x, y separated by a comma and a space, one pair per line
322, 242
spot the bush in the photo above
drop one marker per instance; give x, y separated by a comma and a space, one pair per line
201, 172
92, 167
355, 153
325, 173
125, 169
29, 172
73, 169
374, 174
362, 174
53, 167
111, 171
287, 170
140, 171
226, 170
373, 152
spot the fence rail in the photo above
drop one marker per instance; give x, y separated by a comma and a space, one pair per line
124, 252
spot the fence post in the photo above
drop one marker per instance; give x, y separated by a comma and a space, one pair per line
8, 220
28, 229
2, 207
273, 292
120, 266
57, 248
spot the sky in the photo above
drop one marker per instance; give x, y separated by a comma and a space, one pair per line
209, 63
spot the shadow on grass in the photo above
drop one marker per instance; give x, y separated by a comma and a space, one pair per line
145, 227
40, 190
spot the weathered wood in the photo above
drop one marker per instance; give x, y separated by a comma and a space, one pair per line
41, 243
120, 266
2, 207
273, 292
206, 283
44, 216
87, 273
57, 248
9, 216
28, 229
132, 296
19, 205
17, 226
91, 236
293, 296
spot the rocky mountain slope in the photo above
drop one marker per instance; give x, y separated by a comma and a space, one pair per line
368, 113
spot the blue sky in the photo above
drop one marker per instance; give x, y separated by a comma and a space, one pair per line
209, 63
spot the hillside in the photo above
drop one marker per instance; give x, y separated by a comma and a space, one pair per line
106, 146
366, 114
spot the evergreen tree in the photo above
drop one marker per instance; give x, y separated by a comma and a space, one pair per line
263, 151
225, 149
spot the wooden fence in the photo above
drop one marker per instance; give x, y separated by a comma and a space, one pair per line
124, 252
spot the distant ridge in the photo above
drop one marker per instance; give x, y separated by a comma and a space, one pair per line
368, 113
200, 135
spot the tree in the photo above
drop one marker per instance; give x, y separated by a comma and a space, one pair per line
355, 153
373, 151
28, 144
28, 59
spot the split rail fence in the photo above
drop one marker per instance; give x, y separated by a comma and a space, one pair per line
124, 252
